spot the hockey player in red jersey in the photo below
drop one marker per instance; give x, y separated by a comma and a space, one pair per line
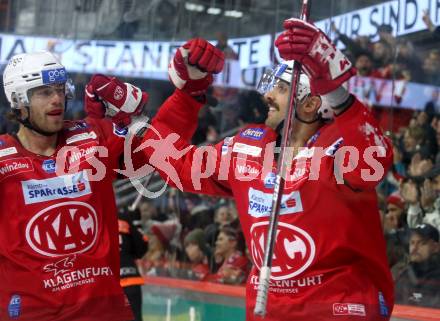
329, 260
59, 254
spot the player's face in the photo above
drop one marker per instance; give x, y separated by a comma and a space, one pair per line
277, 101
47, 108
421, 249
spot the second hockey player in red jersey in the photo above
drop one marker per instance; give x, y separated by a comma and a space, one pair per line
329, 260
59, 254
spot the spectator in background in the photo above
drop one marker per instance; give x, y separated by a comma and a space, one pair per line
385, 33
419, 282
431, 68
229, 248
222, 44
132, 246
253, 109
355, 47
150, 213
201, 216
164, 240
430, 25
207, 127
222, 217
197, 251
227, 96
364, 64
412, 140
395, 229
423, 199
383, 55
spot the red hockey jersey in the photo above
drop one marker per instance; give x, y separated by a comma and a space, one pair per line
59, 254
329, 259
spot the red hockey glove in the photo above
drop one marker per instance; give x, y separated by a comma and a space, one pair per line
112, 98
193, 64
326, 66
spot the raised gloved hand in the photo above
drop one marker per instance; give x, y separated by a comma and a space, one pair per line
193, 64
109, 97
327, 67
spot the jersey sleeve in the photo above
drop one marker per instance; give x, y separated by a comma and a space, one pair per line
167, 148
364, 140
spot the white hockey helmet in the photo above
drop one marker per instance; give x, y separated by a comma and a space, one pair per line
31, 70
284, 72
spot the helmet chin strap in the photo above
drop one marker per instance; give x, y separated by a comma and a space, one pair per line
28, 124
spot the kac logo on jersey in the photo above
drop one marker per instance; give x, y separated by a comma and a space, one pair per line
294, 251
253, 133
14, 307
63, 229
49, 166
1, 143
118, 131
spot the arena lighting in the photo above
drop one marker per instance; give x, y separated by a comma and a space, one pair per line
214, 11
233, 13
194, 7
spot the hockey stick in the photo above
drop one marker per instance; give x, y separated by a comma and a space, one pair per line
264, 278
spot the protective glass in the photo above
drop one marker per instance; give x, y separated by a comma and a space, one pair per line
270, 78
67, 89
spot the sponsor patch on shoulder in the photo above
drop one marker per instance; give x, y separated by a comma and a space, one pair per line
80, 137
120, 131
247, 149
349, 309
8, 151
253, 133
77, 126
10, 167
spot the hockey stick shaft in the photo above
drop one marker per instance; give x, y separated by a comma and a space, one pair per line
283, 162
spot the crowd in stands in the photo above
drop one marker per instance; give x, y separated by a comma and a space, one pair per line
199, 238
